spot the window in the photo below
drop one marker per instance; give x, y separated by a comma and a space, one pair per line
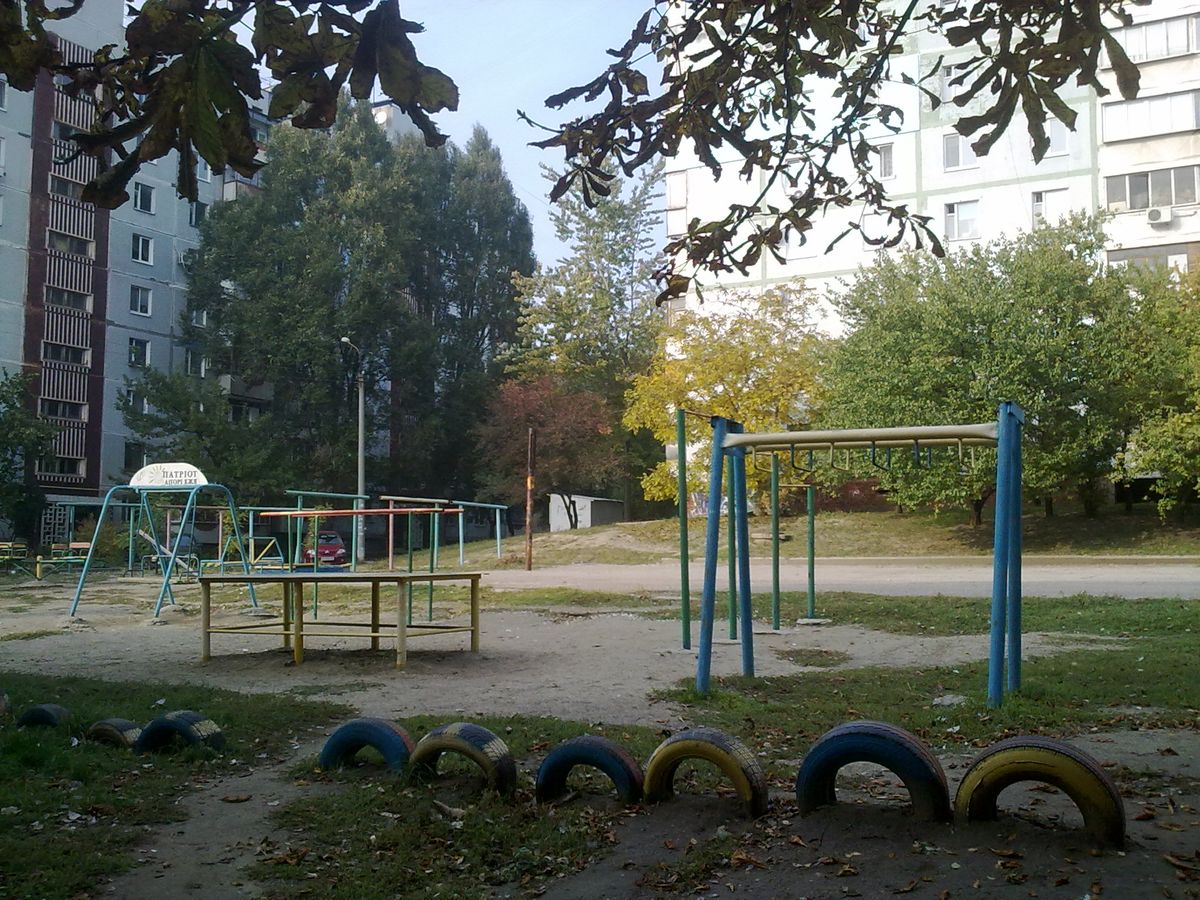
1161, 39
946, 90
962, 220
200, 318
1, 150
143, 197
139, 353
194, 363
1148, 116
68, 243
1057, 132
196, 213
60, 465
61, 409
56, 296
1050, 206
1160, 187
957, 152
143, 249
61, 131
63, 187
139, 300
3, 92
203, 172
676, 203
135, 456
136, 401
63, 353
887, 165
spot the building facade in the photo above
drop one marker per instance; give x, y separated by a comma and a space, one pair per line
1137, 159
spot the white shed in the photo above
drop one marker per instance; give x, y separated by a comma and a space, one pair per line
591, 511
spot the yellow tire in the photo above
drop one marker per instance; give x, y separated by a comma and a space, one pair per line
1052, 762
727, 753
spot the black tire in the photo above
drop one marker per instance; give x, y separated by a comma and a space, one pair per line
477, 744
184, 725
729, 754
387, 738
115, 733
45, 715
589, 750
895, 749
1041, 759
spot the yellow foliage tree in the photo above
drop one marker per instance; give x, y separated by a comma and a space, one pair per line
755, 359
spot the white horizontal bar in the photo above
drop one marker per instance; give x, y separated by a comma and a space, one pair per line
858, 438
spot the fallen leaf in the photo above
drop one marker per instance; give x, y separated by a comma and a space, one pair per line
796, 841
908, 888
235, 798
846, 871
1146, 814
1167, 751
1097, 888
1007, 853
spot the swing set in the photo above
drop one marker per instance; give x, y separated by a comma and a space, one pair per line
730, 445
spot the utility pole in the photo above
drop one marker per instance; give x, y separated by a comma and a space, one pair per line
529, 460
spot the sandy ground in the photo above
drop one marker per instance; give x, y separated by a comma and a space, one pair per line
601, 666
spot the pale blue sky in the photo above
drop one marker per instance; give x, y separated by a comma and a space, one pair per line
507, 55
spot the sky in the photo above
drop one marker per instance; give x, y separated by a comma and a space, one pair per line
507, 55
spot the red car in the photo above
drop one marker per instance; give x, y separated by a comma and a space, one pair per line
331, 549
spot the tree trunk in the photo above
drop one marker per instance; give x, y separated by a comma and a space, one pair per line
1048, 507
977, 511
568, 502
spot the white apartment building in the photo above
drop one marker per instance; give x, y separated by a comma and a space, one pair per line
1139, 158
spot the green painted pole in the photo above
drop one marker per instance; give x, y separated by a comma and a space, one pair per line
433, 556
685, 592
775, 541
731, 543
462, 556
410, 565
812, 543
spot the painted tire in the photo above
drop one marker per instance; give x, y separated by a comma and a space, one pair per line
45, 715
727, 753
589, 750
895, 749
190, 727
1068, 768
115, 733
388, 739
477, 744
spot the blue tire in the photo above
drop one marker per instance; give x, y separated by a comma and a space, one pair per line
895, 749
477, 744
44, 715
589, 750
184, 725
386, 738
115, 733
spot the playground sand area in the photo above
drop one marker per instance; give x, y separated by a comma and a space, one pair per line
594, 665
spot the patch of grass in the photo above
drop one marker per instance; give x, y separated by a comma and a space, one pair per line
1062, 694
81, 807
381, 833
29, 635
813, 657
691, 871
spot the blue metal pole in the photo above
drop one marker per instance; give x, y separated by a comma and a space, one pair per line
1014, 550
462, 559
237, 533
87, 563
189, 512
775, 541
731, 550
745, 612
1000, 549
712, 537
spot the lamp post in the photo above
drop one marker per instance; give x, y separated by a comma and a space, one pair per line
360, 525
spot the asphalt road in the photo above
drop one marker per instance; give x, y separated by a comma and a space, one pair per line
1132, 577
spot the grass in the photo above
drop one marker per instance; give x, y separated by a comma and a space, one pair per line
29, 635
383, 837
812, 657
1142, 676
80, 807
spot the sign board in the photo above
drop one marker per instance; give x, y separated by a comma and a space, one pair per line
173, 474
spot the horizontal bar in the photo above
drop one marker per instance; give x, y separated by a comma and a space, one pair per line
331, 513
328, 494
478, 505
427, 629
882, 445
397, 578
438, 500
863, 436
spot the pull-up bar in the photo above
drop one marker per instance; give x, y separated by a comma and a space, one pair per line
730, 441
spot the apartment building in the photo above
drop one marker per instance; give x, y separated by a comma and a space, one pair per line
1139, 159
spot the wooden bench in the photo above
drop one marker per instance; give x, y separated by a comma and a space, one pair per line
292, 628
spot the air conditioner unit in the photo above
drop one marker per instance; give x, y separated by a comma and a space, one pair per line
1160, 215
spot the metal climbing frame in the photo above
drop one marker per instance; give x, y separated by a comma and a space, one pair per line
731, 443
142, 493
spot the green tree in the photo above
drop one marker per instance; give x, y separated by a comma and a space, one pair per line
756, 360
746, 75
590, 321
336, 244
573, 435
23, 438
1168, 439
1039, 319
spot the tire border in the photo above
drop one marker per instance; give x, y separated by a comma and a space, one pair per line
192, 727
114, 733
384, 736
483, 747
44, 715
592, 750
712, 745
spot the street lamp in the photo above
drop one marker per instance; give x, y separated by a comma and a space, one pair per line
360, 526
